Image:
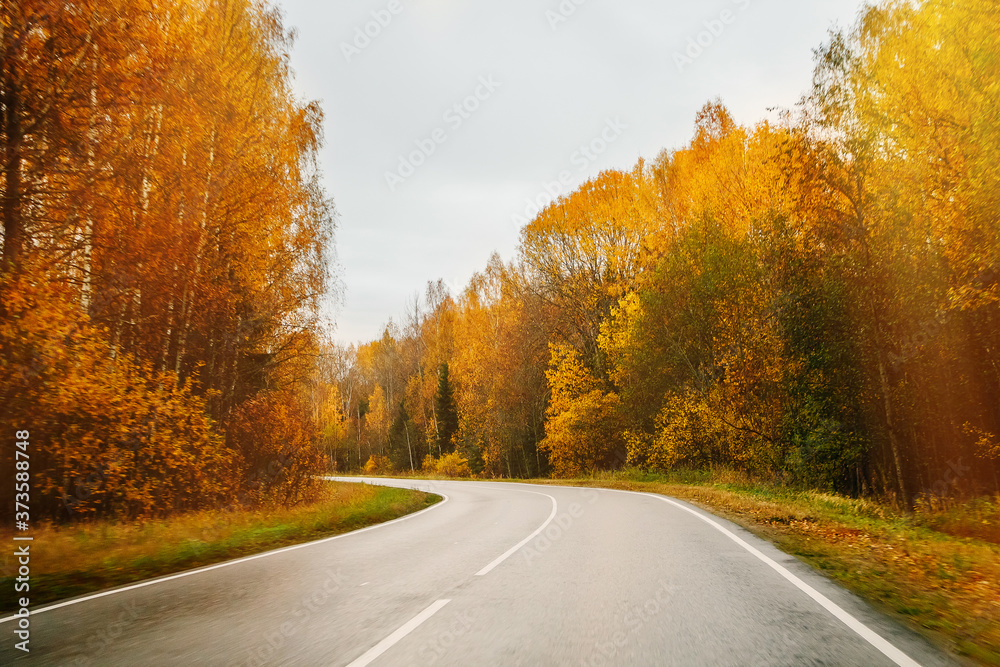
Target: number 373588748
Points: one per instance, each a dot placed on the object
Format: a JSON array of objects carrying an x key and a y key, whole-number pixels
[{"x": 21, "y": 488}]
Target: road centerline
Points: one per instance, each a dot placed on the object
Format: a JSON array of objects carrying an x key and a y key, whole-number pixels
[
  {"x": 393, "y": 639},
  {"x": 510, "y": 552}
]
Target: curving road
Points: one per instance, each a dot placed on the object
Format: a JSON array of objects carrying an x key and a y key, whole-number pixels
[{"x": 497, "y": 574}]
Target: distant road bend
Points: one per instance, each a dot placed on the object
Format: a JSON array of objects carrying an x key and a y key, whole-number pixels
[{"x": 496, "y": 574}]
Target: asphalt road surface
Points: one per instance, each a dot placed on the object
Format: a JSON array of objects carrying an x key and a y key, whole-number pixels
[{"x": 496, "y": 574}]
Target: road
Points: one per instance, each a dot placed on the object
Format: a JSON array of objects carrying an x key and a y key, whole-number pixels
[{"x": 496, "y": 574}]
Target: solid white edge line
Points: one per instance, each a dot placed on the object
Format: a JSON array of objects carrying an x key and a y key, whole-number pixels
[
  {"x": 217, "y": 566},
  {"x": 396, "y": 636},
  {"x": 507, "y": 554},
  {"x": 877, "y": 641},
  {"x": 862, "y": 630}
]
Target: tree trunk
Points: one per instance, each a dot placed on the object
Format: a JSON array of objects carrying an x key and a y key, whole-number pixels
[
  {"x": 13, "y": 228},
  {"x": 408, "y": 447},
  {"x": 191, "y": 285},
  {"x": 90, "y": 225},
  {"x": 890, "y": 416}
]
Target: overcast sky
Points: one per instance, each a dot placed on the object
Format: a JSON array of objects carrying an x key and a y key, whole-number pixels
[{"x": 444, "y": 118}]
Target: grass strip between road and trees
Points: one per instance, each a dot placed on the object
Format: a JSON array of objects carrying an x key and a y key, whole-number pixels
[
  {"x": 72, "y": 560},
  {"x": 936, "y": 569}
]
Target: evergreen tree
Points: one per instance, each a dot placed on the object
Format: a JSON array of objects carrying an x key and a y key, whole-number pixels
[
  {"x": 402, "y": 443},
  {"x": 447, "y": 414}
]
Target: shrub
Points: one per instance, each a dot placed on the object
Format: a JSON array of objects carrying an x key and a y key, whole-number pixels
[
  {"x": 275, "y": 435},
  {"x": 449, "y": 465},
  {"x": 109, "y": 437},
  {"x": 378, "y": 465}
]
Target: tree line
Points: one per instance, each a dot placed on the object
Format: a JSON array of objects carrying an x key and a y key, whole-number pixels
[{"x": 812, "y": 300}]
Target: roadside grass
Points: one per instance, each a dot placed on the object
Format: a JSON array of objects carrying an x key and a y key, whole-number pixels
[
  {"x": 938, "y": 569},
  {"x": 72, "y": 560}
]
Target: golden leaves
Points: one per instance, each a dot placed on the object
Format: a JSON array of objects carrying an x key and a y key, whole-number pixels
[
  {"x": 163, "y": 221},
  {"x": 584, "y": 429}
]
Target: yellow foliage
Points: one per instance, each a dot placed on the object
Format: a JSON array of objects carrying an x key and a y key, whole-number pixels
[
  {"x": 377, "y": 419},
  {"x": 497, "y": 368},
  {"x": 449, "y": 465},
  {"x": 378, "y": 465},
  {"x": 584, "y": 429},
  {"x": 688, "y": 432},
  {"x": 987, "y": 445},
  {"x": 164, "y": 245},
  {"x": 454, "y": 465},
  {"x": 111, "y": 438},
  {"x": 587, "y": 250},
  {"x": 585, "y": 437},
  {"x": 924, "y": 93}
]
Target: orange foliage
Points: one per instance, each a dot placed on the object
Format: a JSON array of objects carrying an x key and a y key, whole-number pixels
[
  {"x": 164, "y": 241},
  {"x": 378, "y": 465},
  {"x": 274, "y": 436},
  {"x": 109, "y": 438},
  {"x": 584, "y": 429}
]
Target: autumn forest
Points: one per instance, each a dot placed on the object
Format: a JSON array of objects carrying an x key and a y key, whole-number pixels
[{"x": 813, "y": 300}]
